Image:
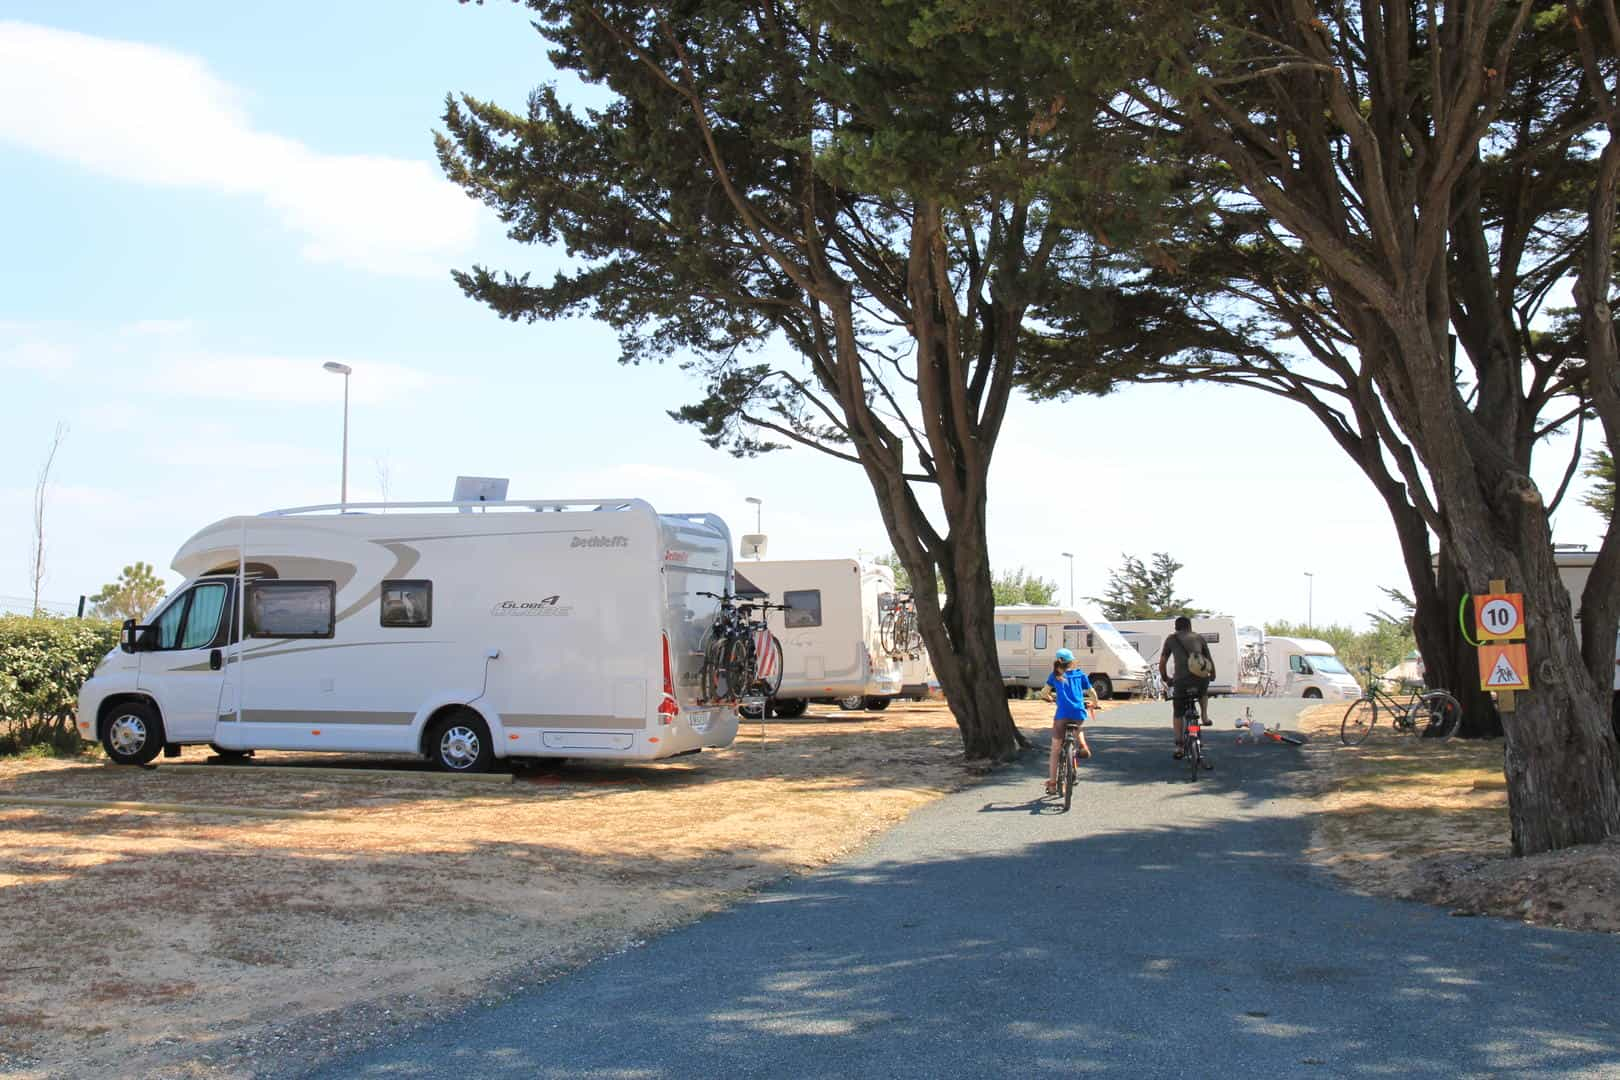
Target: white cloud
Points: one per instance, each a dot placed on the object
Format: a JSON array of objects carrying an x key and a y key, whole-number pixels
[
  {"x": 294, "y": 379},
  {"x": 45, "y": 357},
  {"x": 157, "y": 328},
  {"x": 151, "y": 115}
]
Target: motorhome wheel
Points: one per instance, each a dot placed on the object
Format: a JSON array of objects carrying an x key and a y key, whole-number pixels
[
  {"x": 1104, "y": 687},
  {"x": 852, "y": 703},
  {"x": 461, "y": 743},
  {"x": 878, "y": 704},
  {"x": 132, "y": 733},
  {"x": 789, "y": 708},
  {"x": 1312, "y": 692}
]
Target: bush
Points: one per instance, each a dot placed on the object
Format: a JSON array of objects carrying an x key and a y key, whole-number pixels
[{"x": 43, "y": 662}]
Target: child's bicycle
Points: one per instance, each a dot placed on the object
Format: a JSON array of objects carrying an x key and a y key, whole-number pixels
[
  {"x": 1068, "y": 764},
  {"x": 1431, "y": 715}
]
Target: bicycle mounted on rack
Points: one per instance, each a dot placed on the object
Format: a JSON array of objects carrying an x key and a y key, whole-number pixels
[
  {"x": 899, "y": 633},
  {"x": 741, "y": 657}
]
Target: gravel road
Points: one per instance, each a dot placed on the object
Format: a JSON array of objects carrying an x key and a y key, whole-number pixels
[{"x": 1160, "y": 929}]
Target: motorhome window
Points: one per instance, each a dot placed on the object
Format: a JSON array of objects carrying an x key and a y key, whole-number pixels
[
  {"x": 1328, "y": 665},
  {"x": 1040, "y": 637},
  {"x": 803, "y": 609},
  {"x": 202, "y": 620},
  {"x": 1296, "y": 663},
  {"x": 1213, "y": 639},
  {"x": 1009, "y": 631},
  {"x": 407, "y": 603},
  {"x": 290, "y": 609},
  {"x": 165, "y": 633}
]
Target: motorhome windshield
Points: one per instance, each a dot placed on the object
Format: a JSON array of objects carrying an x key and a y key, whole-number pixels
[
  {"x": 1107, "y": 632},
  {"x": 1326, "y": 665}
]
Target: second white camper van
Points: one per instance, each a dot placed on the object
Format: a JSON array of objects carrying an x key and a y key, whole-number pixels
[
  {"x": 1028, "y": 637},
  {"x": 1219, "y": 632},
  {"x": 521, "y": 630},
  {"x": 1310, "y": 668},
  {"x": 829, "y": 634}
]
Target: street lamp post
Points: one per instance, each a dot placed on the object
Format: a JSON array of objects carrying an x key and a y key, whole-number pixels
[
  {"x": 1310, "y": 600},
  {"x": 344, "y": 370},
  {"x": 758, "y": 510},
  {"x": 1070, "y": 556}
]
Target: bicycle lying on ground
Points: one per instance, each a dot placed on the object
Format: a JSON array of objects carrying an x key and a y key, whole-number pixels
[
  {"x": 740, "y": 654},
  {"x": 1433, "y": 714}
]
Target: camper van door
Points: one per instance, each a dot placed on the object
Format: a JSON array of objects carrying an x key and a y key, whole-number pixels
[{"x": 178, "y": 660}]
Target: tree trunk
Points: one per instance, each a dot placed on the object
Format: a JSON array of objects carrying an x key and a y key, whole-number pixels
[{"x": 1455, "y": 668}]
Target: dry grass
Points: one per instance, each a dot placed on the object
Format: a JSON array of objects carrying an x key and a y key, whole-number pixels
[
  {"x": 410, "y": 888},
  {"x": 1423, "y": 820}
]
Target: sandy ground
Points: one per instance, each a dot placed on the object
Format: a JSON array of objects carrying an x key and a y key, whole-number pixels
[
  {"x": 170, "y": 944},
  {"x": 1422, "y": 820}
]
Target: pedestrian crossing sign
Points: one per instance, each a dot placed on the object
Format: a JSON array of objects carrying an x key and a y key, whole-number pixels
[{"x": 1504, "y": 667}]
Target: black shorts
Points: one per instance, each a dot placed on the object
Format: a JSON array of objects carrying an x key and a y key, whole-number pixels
[{"x": 1185, "y": 692}]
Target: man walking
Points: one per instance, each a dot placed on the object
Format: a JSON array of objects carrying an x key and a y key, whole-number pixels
[{"x": 1194, "y": 668}]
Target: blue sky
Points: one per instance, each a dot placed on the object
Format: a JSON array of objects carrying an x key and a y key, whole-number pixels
[{"x": 200, "y": 204}]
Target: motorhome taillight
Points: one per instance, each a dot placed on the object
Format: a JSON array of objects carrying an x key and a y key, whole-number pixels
[{"x": 668, "y": 708}]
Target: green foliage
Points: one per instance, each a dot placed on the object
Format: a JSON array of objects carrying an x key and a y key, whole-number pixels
[
  {"x": 902, "y": 578},
  {"x": 1600, "y": 470},
  {"x": 1386, "y": 644},
  {"x": 1139, "y": 591},
  {"x": 136, "y": 592},
  {"x": 43, "y": 662},
  {"x": 1020, "y": 587}
]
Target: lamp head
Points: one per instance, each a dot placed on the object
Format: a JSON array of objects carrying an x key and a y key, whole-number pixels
[
  {"x": 751, "y": 499},
  {"x": 336, "y": 368}
]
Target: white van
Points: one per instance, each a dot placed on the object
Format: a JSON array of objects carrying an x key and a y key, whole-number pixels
[
  {"x": 521, "y": 630},
  {"x": 1028, "y": 637},
  {"x": 1220, "y": 633},
  {"x": 830, "y": 641},
  {"x": 1309, "y": 668}
]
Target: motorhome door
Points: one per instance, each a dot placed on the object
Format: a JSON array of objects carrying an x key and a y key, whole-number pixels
[{"x": 182, "y": 660}]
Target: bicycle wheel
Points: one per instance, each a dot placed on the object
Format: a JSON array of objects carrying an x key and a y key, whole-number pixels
[
  {"x": 772, "y": 681},
  {"x": 740, "y": 666},
  {"x": 714, "y": 670},
  {"x": 1194, "y": 756},
  {"x": 1437, "y": 715},
  {"x": 1358, "y": 722},
  {"x": 1070, "y": 752}
]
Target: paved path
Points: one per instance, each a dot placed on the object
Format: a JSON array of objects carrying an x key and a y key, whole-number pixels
[{"x": 1195, "y": 944}]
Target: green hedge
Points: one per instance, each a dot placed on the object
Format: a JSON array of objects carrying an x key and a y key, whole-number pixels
[{"x": 43, "y": 662}]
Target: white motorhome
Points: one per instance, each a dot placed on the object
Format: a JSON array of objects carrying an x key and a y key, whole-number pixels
[
  {"x": 521, "y": 630},
  {"x": 830, "y": 642},
  {"x": 1309, "y": 668},
  {"x": 1220, "y": 633},
  {"x": 1028, "y": 637}
]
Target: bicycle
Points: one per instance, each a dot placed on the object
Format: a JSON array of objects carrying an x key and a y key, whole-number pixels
[
  {"x": 1069, "y": 764},
  {"x": 899, "y": 634},
  {"x": 1192, "y": 739},
  {"x": 1434, "y": 714},
  {"x": 1152, "y": 685},
  {"x": 733, "y": 648}
]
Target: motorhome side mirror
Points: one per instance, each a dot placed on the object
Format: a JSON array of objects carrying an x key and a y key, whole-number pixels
[{"x": 126, "y": 636}]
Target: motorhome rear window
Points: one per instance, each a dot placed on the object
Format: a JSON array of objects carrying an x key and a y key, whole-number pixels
[
  {"x": 407, "y": 603},
  {"x": 803, "y": 608},
  {"x": 290, "y": 609}
]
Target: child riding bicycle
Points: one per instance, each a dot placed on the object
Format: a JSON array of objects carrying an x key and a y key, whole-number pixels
[{"x": 1071, "y": 690}]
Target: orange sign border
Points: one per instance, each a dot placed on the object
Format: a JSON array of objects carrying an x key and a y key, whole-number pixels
[
  {"x": 1518, "y": 656},
  {"x": 1516, "y": 599}
]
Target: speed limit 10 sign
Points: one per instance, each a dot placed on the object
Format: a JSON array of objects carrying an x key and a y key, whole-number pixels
[{"x": 1500, "y": 616}]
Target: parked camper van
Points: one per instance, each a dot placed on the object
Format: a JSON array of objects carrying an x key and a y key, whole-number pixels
[
  {"x": 1220, "y": 633},
  {"x": 1308, "y": 668},
  {"x": 524, "y": 629},
  {"x": 829, "y": 634},
  {"x": 1028, "y": 637}
]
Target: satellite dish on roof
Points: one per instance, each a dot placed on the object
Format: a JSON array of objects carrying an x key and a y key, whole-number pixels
[
  {"x": 753, "y": 545},
  {"x": 480, "y": 489}
]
